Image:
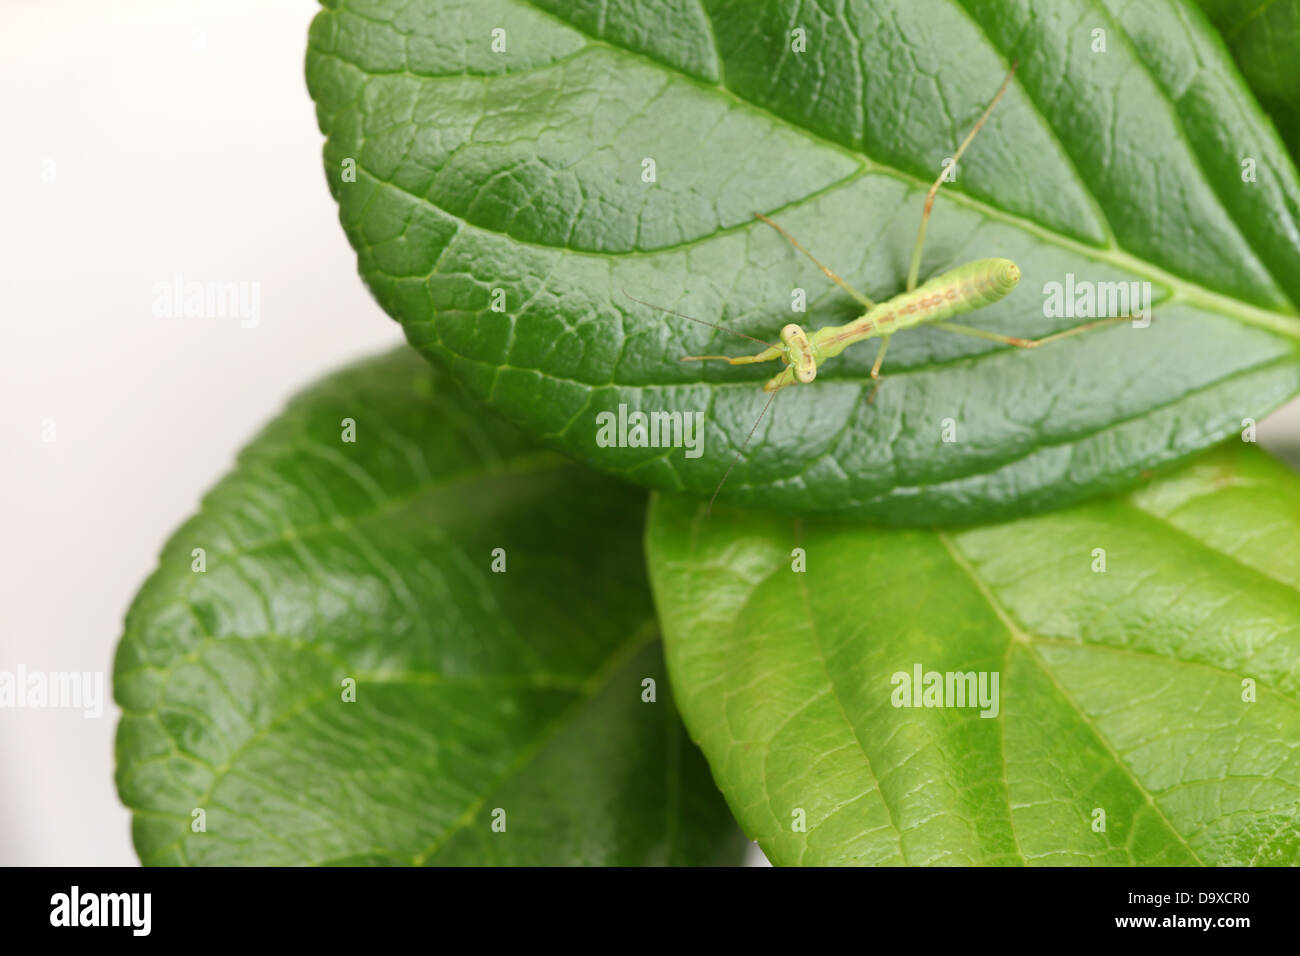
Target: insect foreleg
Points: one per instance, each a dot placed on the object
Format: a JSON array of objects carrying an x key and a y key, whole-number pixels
[{"x": 766, "y": 355}]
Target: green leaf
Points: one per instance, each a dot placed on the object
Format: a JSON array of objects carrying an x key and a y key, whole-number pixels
[
  {"x": 1264, "y": 37},
  {"x": 328, "y": 561},
  {"x": 468, "y": 178},
  {"x": 1120, "y": 691}
]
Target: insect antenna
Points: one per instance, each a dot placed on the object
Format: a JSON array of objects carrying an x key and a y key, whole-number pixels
[
  {"x": 712, "y": 325},
  {"x": 768, "y": 404},
  {"x": 740, "y": 451}
]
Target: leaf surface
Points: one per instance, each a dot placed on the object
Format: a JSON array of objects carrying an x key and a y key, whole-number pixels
[
  {"x": 499, "y": 205},
  {"x": 1159, "y": 698},
  {"x": 328, "y": 562},
  {"x": 1264, "y": 38}
]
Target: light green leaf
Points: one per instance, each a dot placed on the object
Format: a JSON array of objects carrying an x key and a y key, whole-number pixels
[
  {"x": 489, "y": 158},
  {"x": 326, "y": 562},
  {"x": 1162, "y": 692}
]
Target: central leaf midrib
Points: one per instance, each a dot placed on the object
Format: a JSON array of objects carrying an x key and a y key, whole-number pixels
[
  {"x": 517, "y": 465},
  {"x": 1016, "y": 635},
  {"x": 1184, "y": 289},
  {"x": 617, "y": 657},
  {"x": 583, "y": 692},
  {"x": 849, "y": 722},
  {"x": 532, "y": 462},
  {"x": 1140, "y": 514}
]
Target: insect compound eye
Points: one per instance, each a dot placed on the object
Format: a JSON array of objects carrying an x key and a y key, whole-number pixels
[{"x": 806, "y": 375}]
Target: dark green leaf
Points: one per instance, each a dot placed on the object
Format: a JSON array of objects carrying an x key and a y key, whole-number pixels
[
  {"x": 1264, "y": 37},
  {"x": 1120, "y": 691},
  {"x": 478, "y": 172},
  {"x": 328, "y": 561}
]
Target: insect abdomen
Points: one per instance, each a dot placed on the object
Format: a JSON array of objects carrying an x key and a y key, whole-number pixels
[{"x": 955, "y": 292}]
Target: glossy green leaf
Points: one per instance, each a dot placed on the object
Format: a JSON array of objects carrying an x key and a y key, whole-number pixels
[
  {"x": 327, "y": 562},
  {"x": 1264, "y": 37},
  {"x": 1162, "y": 691},
  {"x": 498, "y": 205}
]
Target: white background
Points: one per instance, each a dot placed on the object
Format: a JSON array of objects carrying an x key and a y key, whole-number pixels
[{"x": 182, "y": 141}]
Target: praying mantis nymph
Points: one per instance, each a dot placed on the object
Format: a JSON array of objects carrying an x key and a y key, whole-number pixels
[{"x": 963, "y": 289}]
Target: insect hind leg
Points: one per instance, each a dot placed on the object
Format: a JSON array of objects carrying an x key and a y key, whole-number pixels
[
  {"x": 1029, "y": 343},
  {"x": 875, "y": 368},
  {"x": 914, "y": 269}
]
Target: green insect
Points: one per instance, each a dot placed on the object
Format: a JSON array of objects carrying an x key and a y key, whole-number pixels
[{"x": 953, "y": 293}]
